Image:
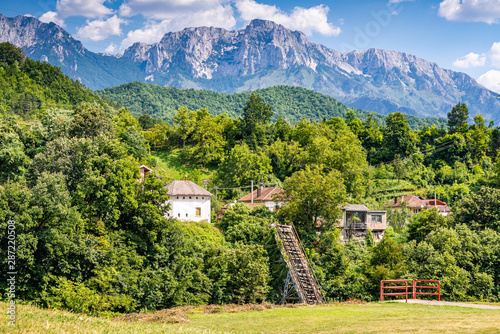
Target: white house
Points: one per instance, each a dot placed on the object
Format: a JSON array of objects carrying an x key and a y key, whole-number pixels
[{"x": 188, "y": 201}]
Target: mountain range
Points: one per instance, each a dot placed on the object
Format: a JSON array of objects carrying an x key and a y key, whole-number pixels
[{"x": 261, "y": 55}]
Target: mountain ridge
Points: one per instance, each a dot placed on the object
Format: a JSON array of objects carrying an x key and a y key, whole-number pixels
[
  {"x": 292, "y": 103},
  {"x": 263, "y": 54}
]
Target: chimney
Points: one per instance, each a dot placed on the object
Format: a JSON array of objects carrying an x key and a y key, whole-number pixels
[
  {"x": 259, "y": 190},
  {"x": 185, "y": 177}
]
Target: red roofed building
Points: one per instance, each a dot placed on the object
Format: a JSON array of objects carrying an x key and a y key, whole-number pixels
[
  {"x": 417, "y": 204},
  {"x": 262, "y": 197}
]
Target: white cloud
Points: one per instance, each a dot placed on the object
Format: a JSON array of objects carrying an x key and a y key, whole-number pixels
[
  {"x": 166, "y": 9},
  {"x": 111, "y": 48},
  {"x": 490, "y": 80},
  {"x": 494, "y": 54},
  {"x": 99, "y": 30},
  {"x": 86, "y": 8},
  {"x": 307, "y": 20},
  {"x": 52, "y": 17},
  {"x": 487, "y": 11},
  {"x": 470, "y": 60},
  {"x": 153, "y": 31}
]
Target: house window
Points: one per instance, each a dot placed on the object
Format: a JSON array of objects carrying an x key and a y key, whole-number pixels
[
  {"x": 198, "y": 212},
  {"x": 189, "y": 197},
  {"x": 416, "y": 211},
  {"x": 177, "y": 197},
  {"x": 179, "y": 215},
  {"x": 186, "y": 214},
  {"x": 196, "y": 197},
  {"x": 376, "y": 219},
  {"x": 183, "y": 197}
]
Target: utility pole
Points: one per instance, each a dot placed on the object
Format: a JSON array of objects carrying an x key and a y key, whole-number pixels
[{"x": 251, "y": 190}]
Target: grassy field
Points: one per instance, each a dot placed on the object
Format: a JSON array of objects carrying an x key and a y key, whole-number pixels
[
  {"x": 171, "y": 166},
  {"x": 348, "y": 318}
]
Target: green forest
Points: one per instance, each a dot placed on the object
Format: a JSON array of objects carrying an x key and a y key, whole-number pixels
[
  {"x": 292, "y": 103},
  {"x": 91, "y": 238}
]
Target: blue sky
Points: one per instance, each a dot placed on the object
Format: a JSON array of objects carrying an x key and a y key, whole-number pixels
[{"x": 462, "y": 35}]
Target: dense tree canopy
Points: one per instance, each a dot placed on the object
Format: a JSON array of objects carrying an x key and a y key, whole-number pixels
[
  {"x": 92, "y": 235},
  {"x": 457, "y": 118}
]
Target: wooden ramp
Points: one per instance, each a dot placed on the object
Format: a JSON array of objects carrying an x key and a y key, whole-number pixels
[{"x": 300, "y": 277}]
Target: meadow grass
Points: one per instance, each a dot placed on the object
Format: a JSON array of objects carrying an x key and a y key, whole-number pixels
[
  {"x": 362, "y": 318},
  {"x": 169, "y": 164}
]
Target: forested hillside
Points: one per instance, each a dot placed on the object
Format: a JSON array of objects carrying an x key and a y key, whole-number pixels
[
  {"x": 28, "y": 87},
  {"x": 91, "y": 237},
  {"x": 292, "y": 103}
]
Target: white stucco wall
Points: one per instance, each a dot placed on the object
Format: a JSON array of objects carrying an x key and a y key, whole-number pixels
[
  {"x": 183, "y": 208},
  {"x": 272, "y": 205}
]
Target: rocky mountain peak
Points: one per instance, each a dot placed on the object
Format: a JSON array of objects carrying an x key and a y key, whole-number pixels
[
  {"x": 29, "y": 33},
  {"x": 264, "y": 25},
  {"x": 261, "y": 55}
]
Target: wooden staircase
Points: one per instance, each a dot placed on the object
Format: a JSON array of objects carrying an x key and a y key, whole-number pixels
[{"x": 299, "y": 277}]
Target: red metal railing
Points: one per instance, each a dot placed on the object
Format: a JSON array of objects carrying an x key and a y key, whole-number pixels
[
  {"x": 415, "y": 287},
  {"x": 413, "y": 293}
]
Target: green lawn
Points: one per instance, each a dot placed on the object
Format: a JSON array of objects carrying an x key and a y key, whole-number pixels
[
  {"x": 367, "y": 318},
  {"x": 171, "y": 166}
]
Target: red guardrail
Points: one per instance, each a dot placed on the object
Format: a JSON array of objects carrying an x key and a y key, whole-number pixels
[{"x": 413, "y": 293}]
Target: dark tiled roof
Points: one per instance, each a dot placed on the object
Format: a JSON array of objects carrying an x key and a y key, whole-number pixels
[
  {"x": 267, "y": 194},
  {"x": 185, "y": 188},
  {"x": 355, "y": 207}
]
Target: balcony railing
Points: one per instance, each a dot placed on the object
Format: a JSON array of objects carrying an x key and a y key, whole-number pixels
[{"x": 356, "y": 226}]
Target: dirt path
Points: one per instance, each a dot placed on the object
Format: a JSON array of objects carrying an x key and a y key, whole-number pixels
[{"x": 437, "y": 303}]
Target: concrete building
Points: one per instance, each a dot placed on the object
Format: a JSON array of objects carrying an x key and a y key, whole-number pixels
[
  {"x": 357, "y": 219},
  {"x": 188, "y": 201}
]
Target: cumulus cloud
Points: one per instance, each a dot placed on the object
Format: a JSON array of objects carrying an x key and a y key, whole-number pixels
[
  {"x": 490, "y": 80},
  {"x": 87, "y": 8},
  {"x": 52, "y": 17},
  {"x": 111, "y": 48},
  {"x": 153, "y": 31},
  {"x": 470, "y": 60},
  {"x": 166, "y": 9},
  {"x": 307, "y": 20},
  {"x": 487, "y": 11},
  {"x": 99, "y": 30},
  {"x": 494, "y": 54}
]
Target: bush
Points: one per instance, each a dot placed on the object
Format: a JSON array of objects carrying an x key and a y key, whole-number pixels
[{"x": 80, "y": 299}]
